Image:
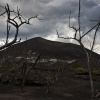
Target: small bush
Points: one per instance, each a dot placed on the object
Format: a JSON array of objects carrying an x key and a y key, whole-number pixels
[
  {"x": 95, "y": 71},
  {"x": 48, "y": 76},
  {"x": 80, "y": 70},
  {"x": 12, "y": 69}
]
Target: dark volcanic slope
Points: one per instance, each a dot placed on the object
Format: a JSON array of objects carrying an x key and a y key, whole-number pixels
[{"x": 48, "y": 48}]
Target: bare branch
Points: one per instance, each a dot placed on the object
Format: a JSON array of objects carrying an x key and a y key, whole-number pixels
[
  {"x": 79, "y": 25},
  {"x": 72, "y": 26},
  {"x": 93, "y": 20},
  {"x": 94, "y": 39},
  {"x": 90, "y": 30},
  {"x": 13, "y": 21},
  {"x": 66, "y": 37},
  {"x": 2, "y": 7},
  {"x": 3, "y": 14}
]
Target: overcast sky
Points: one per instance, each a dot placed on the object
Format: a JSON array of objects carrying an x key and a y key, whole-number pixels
[{"x": 55, "y": 15}]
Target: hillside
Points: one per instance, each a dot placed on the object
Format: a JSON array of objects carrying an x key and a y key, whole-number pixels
[
  {"x": 47, "y": 48},
  {"x": 65, "y": 81}
]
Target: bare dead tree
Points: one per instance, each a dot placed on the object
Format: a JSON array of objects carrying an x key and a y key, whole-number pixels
[
  {"x": 22, "y": 72},
  {"x": 14, "y": 22},
  {"x": 16, "y": 19},
  {"x": 26, "y": 72},
  {"x": 78, "y": 36}
]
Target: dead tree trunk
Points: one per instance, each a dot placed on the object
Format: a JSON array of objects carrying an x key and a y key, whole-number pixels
[{"x": 78, "y": 36}]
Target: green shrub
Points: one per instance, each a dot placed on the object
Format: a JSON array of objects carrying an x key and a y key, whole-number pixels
[
  {"x": 95, "y": 71},
  {"x": 13, "y": 69},
  {"x": 80, "y": 70},
  {"x": 48, "y": 76}
]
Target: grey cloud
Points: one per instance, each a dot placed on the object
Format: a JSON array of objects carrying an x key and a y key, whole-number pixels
[
  {"x": 54, "y": 12},
  {"x": 89, "y": 3}
]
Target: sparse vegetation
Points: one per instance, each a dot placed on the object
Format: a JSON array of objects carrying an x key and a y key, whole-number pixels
[
  {"x": 13, "y": 69},
  {"x": 96, "y": 71},
  {"x": 56, "y": 68},
  {"x": 80, "y": 70},
  {"x": 48, "y": 79}
]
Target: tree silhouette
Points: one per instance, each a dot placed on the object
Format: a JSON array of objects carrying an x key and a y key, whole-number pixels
[
  {"x": 17, "y": 21},
  {"x": 79, "y": 36}
]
